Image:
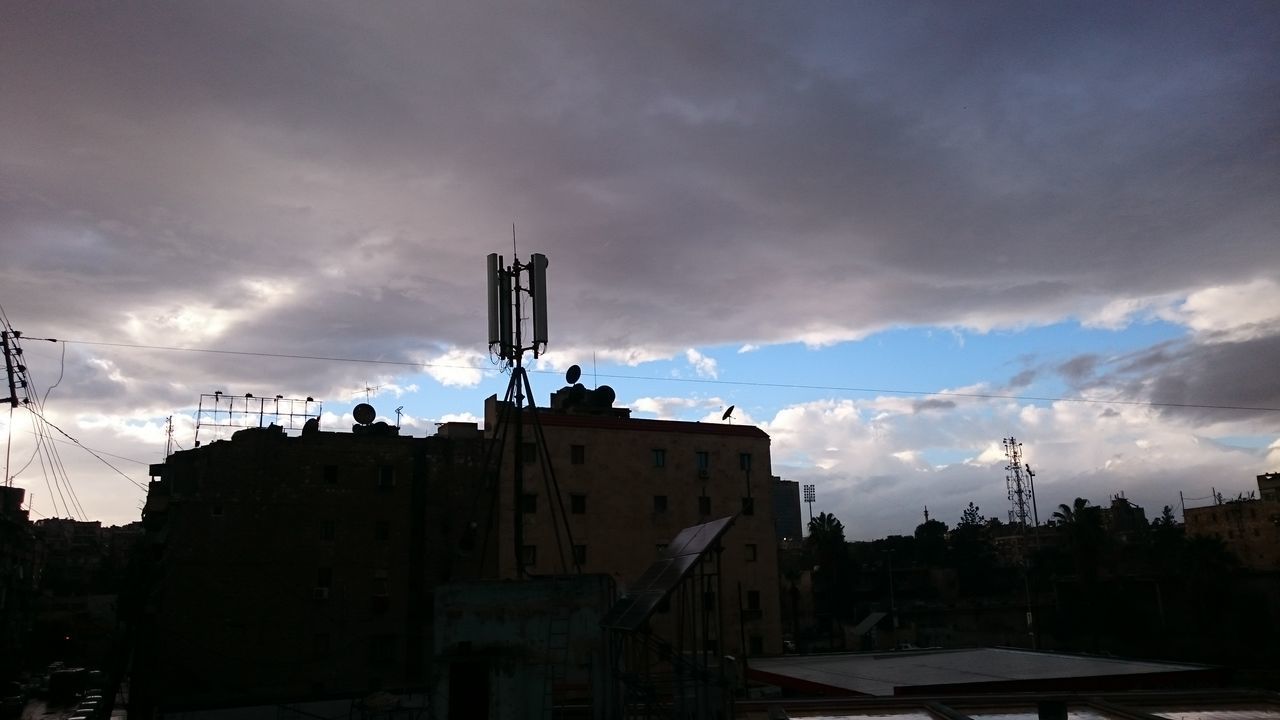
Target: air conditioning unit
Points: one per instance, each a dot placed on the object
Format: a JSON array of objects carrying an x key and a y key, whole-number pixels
[{"x": 320, "y": 593}]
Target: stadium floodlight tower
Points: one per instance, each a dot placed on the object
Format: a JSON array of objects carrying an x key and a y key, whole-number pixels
[{"x": 508, "y": 286}]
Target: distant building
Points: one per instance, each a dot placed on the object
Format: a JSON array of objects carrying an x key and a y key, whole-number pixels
[
  {"x": 1250, "y": 528},
  {"x": 787, "y": 521},
  {"x": 1124, "y": 520},
  {"x": 1269, "y": 486}
]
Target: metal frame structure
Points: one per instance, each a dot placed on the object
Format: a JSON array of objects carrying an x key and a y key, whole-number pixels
[{"x": 220, "y": 410}]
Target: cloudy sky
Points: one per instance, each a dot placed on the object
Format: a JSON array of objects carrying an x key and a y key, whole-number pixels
[{"x": 801, "y": 209}]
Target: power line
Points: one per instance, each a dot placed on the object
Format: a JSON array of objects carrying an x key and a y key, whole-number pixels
[
  {"x": 700, "y": 381},
  {"x": 139, "y": 485}
]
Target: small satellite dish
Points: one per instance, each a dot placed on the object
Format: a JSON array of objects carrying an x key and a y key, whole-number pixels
[
  {"x": 364, "y": 413},
  {"x": 728, "y": 413},
  {"x": 606, "y": 395},
  {"x": 572, "y": 376}
]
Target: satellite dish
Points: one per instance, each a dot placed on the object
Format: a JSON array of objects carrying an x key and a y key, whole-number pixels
[
  {"x": 574, "y": 373},
  {"x": 364, "y": 413},
  {"x": 728, "y": 412},
  {"x": 606, "y": 395}
]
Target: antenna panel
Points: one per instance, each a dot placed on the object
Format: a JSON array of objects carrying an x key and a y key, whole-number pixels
[
  {"x": 493, "y": 266},
  {"x": 505, "y": 336},
  {"x": 538, "y": 288}
]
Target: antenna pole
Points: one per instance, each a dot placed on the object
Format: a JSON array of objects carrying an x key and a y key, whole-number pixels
[{"x": 516, "y": 374}]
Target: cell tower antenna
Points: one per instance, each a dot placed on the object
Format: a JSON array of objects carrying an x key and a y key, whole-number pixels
[
  {"x": 1018, "y": 481},
  {"x": 509, "y": 286}
]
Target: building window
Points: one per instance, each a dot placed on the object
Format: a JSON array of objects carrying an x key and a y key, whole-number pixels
[
  {"x": 708, "y": 599},
  {"x": 757, "y": 645},
  {"x": 664, "y": 606},
  {"x": 331, "y": 474},
  {"x": 748, "y": 506},
  {"x": 753, "y": 599},
  {"x": 386, "y": 477},
  {"x": 328, "y": 530},
  {"x": 320, "y": 645},
  {"x": 704, "y": 461},
  {"x": 382, "y": 531},
  {"x": 660, "y": 549},
  {"x": 529, "y": 503},
  {"x": 744, "y": 461},
  {"x": 577, "y": 454},
  {"x": 529, "y": 554},
  {"x": 380, "y": 583},
  {"x": 529, "y": 452},
  {"x": 580, "y": 554},
  {"x": 704, "y": 505},
  {"x": 216, "y": 510},
  {"x": 752, "y": 552},
  {"x": 659, "y": 503},
  {"x": 578, "y": 504},
  {"x": 659, "y": 457},
  {"x": 324, "y": 578}
]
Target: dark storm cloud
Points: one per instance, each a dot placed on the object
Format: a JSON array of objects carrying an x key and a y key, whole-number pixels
[
  {"x": 1023, "y": 378},
  {"x": 697, "y": 174},
  {"x": 925, "y": 405}
]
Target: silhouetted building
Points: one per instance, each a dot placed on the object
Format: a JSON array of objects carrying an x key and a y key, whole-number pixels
[
  {"x": 17, "y": 581},
  {"x": 1269, "y": 486},
  {"x": 287, "y": 568},
  {"x": 787, "y": 521}
]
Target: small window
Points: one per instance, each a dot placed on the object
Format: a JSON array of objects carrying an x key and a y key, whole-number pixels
[
  {"x": 664, "y": 606},
  {"x": 752, "y": 552},
  {"x": 659, "y": 503},
  {"x": 744, "y": 461},
  {"x": 577, "y": 454},
  {"x": 748, "y": 506},
  {"x": 659, "y": 457},
  {"x": 331, "y": 474},
  {"x": 708, "y": 599},
  {"x": 529, "y": 503},
  {"x": 386, "y": 477},
  {"x": 704, "y": 505},
  {"x": 529, "y": 452},
  {"x": 328, "y": 530},
  {"x": 704, "y": 460},
  {"x": 382, "y": 531},
  {"x": 216, "y": 510},
  {"x": 324, "y": 577},
  {"x": 529, "y": 554},
  {"x": 753, "y": 599},
  {"x": 580, "y": 554},
  {"x": 757, "y": 645},
  {"x": 578, "y": 504},
  {"x": 320, "y": 645}
]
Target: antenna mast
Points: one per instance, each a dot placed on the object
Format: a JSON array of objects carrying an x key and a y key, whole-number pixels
[
  {"x": 1022, "y": 503},
  {"x": 506, "y": 295}
]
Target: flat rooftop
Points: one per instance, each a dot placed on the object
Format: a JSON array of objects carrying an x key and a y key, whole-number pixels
[{"x": 923, "y": 672}]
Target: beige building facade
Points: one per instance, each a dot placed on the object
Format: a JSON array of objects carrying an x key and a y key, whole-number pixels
[{"x": 628, "y": 486}]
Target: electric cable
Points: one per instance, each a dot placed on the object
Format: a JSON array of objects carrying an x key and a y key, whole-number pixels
[{"x": 701, "y": 381}]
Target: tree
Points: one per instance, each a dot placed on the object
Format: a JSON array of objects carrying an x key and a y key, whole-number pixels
[
  {"x": 971, "y": 518},
  {"x": 931, "y": 542},
  {"x": 1166, "y": 518}
]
